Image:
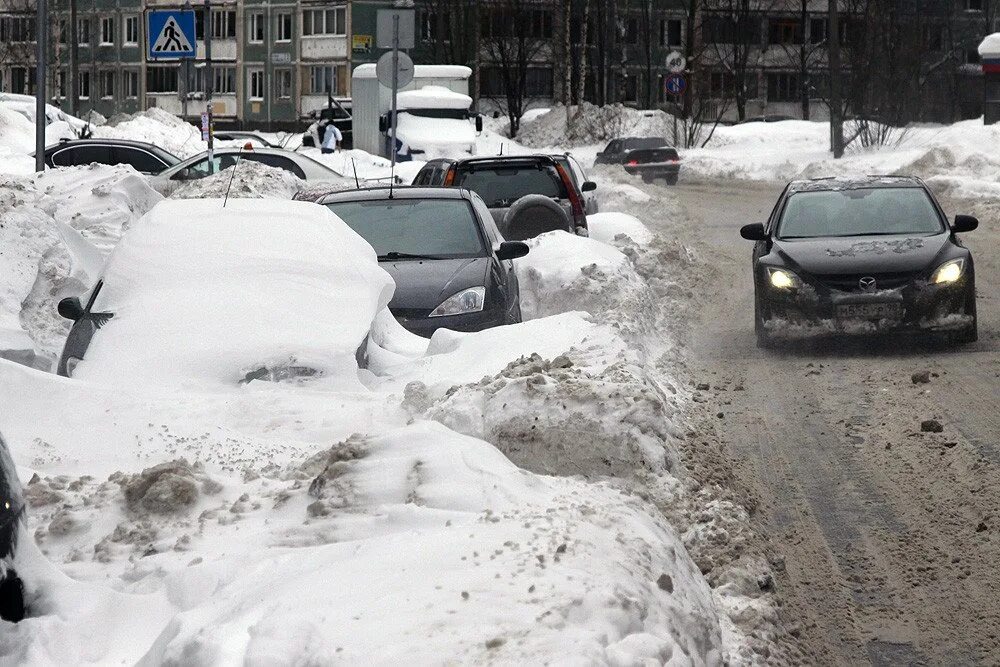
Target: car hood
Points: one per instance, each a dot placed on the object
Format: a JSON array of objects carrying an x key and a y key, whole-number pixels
[
  {"x": 424, "y": 284},
  {"x": 862, "y": 254}
]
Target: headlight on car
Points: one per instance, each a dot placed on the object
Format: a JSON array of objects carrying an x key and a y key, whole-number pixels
[
  {"x": 949, "y": 272},
  {"x": 467, "y": 301},
  {"x": 782, "y": 279}
]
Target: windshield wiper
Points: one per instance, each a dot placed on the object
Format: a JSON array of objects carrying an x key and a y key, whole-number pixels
[{"x": 406, "y": 255}]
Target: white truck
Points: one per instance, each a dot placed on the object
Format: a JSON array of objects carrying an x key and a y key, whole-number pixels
[{"x": 435, "y": 117}]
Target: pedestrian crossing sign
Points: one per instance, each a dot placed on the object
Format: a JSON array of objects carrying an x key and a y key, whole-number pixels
[{"x": 170, "y": 34}]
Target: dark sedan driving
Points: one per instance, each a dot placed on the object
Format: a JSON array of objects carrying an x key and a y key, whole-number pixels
[
  {"x": 862, "y": 255},
  {"x": 451, "y": 266}
]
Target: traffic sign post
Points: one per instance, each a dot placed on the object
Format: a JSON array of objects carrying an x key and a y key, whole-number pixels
[
  {"x": 676, "y": 62},
  {"x": 395, "y": 30},
  {"x": 170, "y": 34},
  {"x": 675, "y": 84}
]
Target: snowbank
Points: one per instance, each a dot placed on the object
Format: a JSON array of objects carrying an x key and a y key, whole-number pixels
[
  {"x": 606, "y": 227},
  {"x": 199, "y": 291},
  {"x": 159, "y": 127},
  {"x": 57, "y": 228},
  {"x": 963, "y": 159},
  {"x": 592, "y": 125},
  {"x": 432, "y": 97},
  {"x": 990, "y": 46},
  {"x": 247, "y": 180}
]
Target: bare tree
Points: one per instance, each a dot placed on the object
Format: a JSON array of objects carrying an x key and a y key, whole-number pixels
[
  {"x": 734, "y": 30},
  {"x": 513, "y": 42}
]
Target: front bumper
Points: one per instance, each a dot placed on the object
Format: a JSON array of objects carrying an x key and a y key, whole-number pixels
[
  {"x": 914, "y": 307},
  {"x": 422, "y": 325}
]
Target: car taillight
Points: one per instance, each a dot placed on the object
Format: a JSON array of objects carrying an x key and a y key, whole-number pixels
[
  {"x": 579, "y": 215},
  {"x": 449, "y": 178},
  {"x": 632, "y": 163}
]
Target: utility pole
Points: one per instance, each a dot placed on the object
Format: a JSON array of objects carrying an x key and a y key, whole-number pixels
[
  {"x": 833, "y": 60},
  {"x": 74, "y": 60},
  {"x": 42, "y": 44},
  {"x": 209, "y": 84},
  {"x": 395, "y": 87}
]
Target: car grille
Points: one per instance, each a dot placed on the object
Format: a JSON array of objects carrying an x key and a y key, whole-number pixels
[{"x": 850, "y": 282}]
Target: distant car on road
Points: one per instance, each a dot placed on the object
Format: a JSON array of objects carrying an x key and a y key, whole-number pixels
[
  {"x": 452, "y": 267},
  {"x": 862, "y": 254},
  {"x": 771, "y": 118},
  {"x": 144, "y": 158},
  {"x": 648, "y": 157},
  {"x": 527, "y": 195},
  {"x": 198, "y": 166}
]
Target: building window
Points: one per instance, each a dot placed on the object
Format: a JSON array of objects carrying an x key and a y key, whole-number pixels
[
  {"x": 161, "y": 79},
  {"x": 19, "y": 80},
  {"x": 972, "y": 57},
  {"x": 541, "y": 24},
  {"x": 817, "y": 31},
  {"x": 256, "y": 81},
  {"x": 974, "y": 5},
  {"x": 783, "y": 87},
  {"x": 325, "y": 79},
  {"x": 17, "y": 29},
  {"x": 670, "y": 32},
  {"x": 284, "y": 25},
  {"x": 107, "y": 82},
  {"x": 324, "y": 21},
  {"x": 427, "y": 25},
  {"x": 224, "y": 80},
  {"x": 62, "y": 77},
  {"x": 718, "y": 28},
  {"x": 283, "y": 83},
  {"x": 631, "y": 30},
  {"x": 224, "y": 24},
  {"x": 255, "y": 28},
  {"x": 108, "y": 30},
  {"x": 130, "y": 83},
  {"x": 131, "y": 36},
  {"x": 784, "y": 31},
  {"x": 83, "y": 32},
  {"x": 84, "y": 85},
  {"x": 63, "y": 32},
  {"x": 538, "y": 82}
]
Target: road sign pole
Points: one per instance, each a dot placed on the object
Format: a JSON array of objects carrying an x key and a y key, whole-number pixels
[
  {"x": 395, "y": 85},
  {"x": 40, "y": 68},
  {"x": 209, "y": 84}
]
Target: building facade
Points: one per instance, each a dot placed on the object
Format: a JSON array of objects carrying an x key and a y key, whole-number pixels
[{"x": 275, "y": 61}]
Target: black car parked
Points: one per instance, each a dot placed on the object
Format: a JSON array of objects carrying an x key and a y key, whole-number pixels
[
  {"x": 864, "y": 254},
  {"x": 451, "y": 265},
  {"x": 527, "y": 195},
  {"x": 144, "y": 158},
  {"x": 648, "y": 157}
]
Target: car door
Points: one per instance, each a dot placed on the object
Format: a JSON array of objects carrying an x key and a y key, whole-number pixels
[
  {"x": 141, "y": 160},
  {"x": 589, "y": 198},
  {"x": 502, "y": 272}
]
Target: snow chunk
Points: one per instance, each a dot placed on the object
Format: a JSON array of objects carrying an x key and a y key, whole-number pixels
[
  {"x": 606, "y": 227},
  {"x": 156, "y": 126},
  {"x": 202, "y": 291},
  {"x": 246, "y": 180}
]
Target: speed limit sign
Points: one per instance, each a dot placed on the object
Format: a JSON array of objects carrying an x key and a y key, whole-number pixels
[{"x": 676, "y": 62}]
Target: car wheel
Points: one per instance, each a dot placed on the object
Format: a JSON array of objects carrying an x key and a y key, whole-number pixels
[
  {"x": 670, "y": 180},
  {"x": 647, "y": 178}
]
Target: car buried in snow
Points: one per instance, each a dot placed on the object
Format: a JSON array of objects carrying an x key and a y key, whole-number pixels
[
  {"x": 862, "y": 255},
  {"x": 452, "y": 267}
]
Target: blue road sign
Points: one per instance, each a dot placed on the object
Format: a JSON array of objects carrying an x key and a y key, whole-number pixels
[
  {"x": 675, "y": 84},
  {"x": 170, "y": 34}
]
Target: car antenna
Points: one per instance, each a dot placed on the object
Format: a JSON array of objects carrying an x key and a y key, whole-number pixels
[
  {"x": 231, "y": 176},
  {"x": 355, "y": 167}
]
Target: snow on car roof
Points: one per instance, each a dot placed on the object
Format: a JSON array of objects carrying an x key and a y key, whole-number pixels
[
  {"x": 990, "y": 46},
  {"x": 849, "y": 182},
  {"x": 432, "y": 97},
  {"x": 202, "y": 292},
  {"x": 367, "y": 71}
]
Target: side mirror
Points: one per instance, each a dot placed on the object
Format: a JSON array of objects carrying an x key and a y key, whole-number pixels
[
  {"x": 512, "y": 250},
  {"x": 964, "y": 223},
  {"x": 383, "y": 123},
  {"x": 70, "y": 308},
  {"x": 479, "y": 123},
  {"x": 753, "y": 232},
  {"x": 588, "y": 186}
]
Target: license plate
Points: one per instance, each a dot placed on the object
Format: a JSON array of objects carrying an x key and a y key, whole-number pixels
[{"x": 869, "y": 311}]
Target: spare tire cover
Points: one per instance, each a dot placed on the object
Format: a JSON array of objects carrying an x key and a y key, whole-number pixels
[{"x": 532, "y": 215}]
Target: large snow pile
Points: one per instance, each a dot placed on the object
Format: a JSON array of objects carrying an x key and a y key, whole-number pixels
[
  {"x": 57, "y": 227},
  {"x": 990, "y": 46},
  {"x": 246, "y": 180},
  {"x": 17, "y": 138},
  {"x": 593, "y": 124},
  {"x": 156, "y": 126},
  {"x": 963, "y": 158},
  {"x": 607, "y": 227},
  {"x": 202, "y": 291}
]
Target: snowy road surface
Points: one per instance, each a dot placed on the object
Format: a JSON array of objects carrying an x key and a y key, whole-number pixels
[{"x": 885, "y": 539}]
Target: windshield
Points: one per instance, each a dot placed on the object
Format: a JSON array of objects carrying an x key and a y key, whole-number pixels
[
  {"x": 859, "y": 212},
  {"x": 501, "y": 186},
  {"x": 646, "y": 142},
  {"x": 443, "y": 228},
  {"x": 458, "y": 114}
]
